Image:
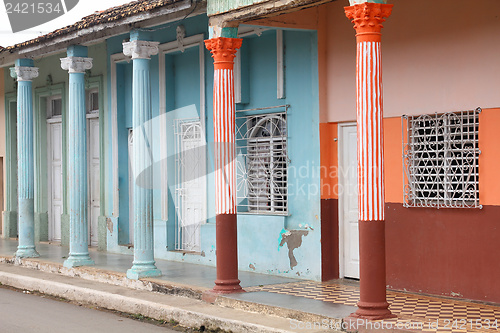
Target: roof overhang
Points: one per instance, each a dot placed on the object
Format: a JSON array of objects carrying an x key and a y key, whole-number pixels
[
  {"x": 100, "y": 32},
  {"x": 262, "y": 10}
]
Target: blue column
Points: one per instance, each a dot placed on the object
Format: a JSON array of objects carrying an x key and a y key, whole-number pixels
[
  {"x": 144, "y": 263},
  {"x": 76, "y": 63},
  {"x": 25, "y": 72}
]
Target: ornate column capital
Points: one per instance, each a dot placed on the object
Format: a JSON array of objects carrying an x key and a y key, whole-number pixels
[
  {"x": 140, "y": 49},
  {"x": 367, "y": 18},
  {"x": 24, "y": 73},
  {"x": 76, "y": 64},
  {"x": 223, "y": 51}
]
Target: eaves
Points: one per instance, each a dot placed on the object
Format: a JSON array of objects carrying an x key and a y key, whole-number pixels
[{"x": 100, "y": 32}]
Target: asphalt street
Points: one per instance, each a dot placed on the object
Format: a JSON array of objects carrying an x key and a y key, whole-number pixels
[{"x": 26, "y": 313}]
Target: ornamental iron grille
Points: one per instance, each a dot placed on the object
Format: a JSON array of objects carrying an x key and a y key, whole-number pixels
[
  {"x": 440, "y": 160},
  {"x": 190, "y": 183},
  {"x": 262, "y": 160}
]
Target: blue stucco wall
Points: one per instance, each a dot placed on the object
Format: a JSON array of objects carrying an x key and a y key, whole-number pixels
[{"x": 264, "y": 241}]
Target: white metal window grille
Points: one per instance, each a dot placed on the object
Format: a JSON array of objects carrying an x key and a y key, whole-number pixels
[
  {"x": 440, "y": 160},
  {"x": 262, "y": 160},
  {"x": 190, "y": 184}
]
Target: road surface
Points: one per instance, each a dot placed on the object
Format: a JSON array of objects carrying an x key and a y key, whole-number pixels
[{"x": 26, "y": 313}]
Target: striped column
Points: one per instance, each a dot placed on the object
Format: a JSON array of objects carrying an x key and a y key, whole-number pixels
[
  {"x": 141, "y": 51},
  {"x": 25, "y": 73},
  {"x": 76, "y": 63},
  {"x": 223, "y": 51},
  {"x": 367, "y": 19}
]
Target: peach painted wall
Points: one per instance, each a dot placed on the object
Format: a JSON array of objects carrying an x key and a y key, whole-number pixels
[
  {"x": 329, "y": 160},
  {"x": 438, "y": 56},
  {"x": 489, "y": 136},
  {"x": 489, "y": 160}
]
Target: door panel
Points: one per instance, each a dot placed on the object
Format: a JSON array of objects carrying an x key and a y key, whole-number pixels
[
  {"x": 94, "y": 180},
  {"x": 55, "y": 202},
  {"x": 350, "y": 202},
  {"x": 193, "y": 187},
  {"x": 131, "y": 183}
]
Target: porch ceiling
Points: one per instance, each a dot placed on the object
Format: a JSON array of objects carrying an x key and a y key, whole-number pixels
[{"x": 262, "y": 10}]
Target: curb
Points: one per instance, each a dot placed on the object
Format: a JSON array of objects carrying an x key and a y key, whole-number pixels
[
  {"x": 131, "y": 305},
  {"x": 105, "y": 276}
]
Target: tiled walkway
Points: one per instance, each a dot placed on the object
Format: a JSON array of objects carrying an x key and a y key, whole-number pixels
[
  {"x": 333, "y": 300},
  {"x": 429, "y": 314}
]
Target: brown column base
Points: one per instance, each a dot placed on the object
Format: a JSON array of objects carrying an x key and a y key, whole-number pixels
[
  {"x": 373, "y": 304},
  {"x": 227, "y": 254},
  {"x": 227, "y": 286},
  {"x": 373, "y": 311}
]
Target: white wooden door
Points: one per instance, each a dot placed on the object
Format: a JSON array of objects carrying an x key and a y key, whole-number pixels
[
  {"x": 55, "y": 188},
  {"x": 131, "y": 183},
  {"x": 94, "y": 180},
  {"x": 192, "y": 168},
  {"x": 349, "y": 206}
]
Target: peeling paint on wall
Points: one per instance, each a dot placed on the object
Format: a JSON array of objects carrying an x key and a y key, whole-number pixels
[
  {"x": 293, "y": 240},
  {"x": 109, "y": 223}
]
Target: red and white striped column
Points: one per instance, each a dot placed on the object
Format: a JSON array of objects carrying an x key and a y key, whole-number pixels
[
  {"x": 367, "y": 19},
  {"x": 223, "y": 51}
]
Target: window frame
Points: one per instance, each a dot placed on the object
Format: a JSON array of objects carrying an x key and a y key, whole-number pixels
[
  {"x": 88, "y": 98},
  {"x": 441, "y": 160},
  {"x": 275, "y": 162},
  {"x": 49, "y": 108}
]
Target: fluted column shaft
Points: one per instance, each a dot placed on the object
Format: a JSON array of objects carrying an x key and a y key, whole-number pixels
[
  {"x": 144, "y": 263},
  {"x": 223, "y": 51},
  {"x": 77, "y": 157},
  {"x": 25, "y": 72},
  {"x": 367, "y": 19}
]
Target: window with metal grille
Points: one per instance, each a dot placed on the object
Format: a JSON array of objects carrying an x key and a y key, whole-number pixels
[
  {"x": 262, "y": 163},
  {"x": 440, "y": 160}
]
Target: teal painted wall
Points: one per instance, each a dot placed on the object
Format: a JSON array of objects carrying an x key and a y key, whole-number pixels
[
  {"x": 263, "y": 253},
  {"x": 263, "y": 239}
]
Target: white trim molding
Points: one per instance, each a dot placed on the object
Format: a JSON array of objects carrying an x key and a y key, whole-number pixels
[
  {"x": 280, "y": 60},
  {"x": 115, "y": 58}
]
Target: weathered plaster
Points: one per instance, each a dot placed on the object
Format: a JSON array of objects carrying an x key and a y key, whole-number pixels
[{"x": 293, "y": 240}]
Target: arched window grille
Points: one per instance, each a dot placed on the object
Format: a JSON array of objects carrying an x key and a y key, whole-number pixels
[{"x": 262, "y": 163}]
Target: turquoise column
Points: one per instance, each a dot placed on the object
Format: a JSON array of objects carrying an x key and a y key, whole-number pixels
[
  {"x": 25, "y": 73},
  {"x": 141, "y": 51},
  {"x": 76, "y": 63}
]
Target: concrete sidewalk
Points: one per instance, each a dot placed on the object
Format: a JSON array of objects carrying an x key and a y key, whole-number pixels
[
  {"x": 176, "y": 295},
  {"x": 189, "y": 312},
  {"x": 270, "y": 304}
]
